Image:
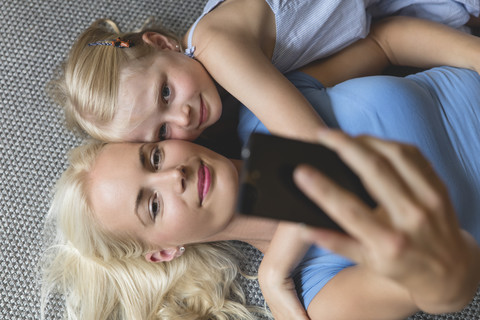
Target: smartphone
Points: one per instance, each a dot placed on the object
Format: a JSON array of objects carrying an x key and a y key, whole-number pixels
[{"x": 267, "y": 188}]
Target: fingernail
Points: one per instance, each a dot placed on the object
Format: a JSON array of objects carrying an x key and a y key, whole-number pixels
[{"x": 303, "y": 173}]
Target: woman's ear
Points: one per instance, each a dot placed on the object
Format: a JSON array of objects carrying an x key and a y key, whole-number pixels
[
  {"x": 159, "y": 41},
  {"x": 164, "y": 254}
]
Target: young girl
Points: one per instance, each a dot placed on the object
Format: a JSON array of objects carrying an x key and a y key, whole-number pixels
[{"x": 141, "y": 87}]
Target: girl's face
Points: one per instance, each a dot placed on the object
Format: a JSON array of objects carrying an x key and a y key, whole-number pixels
[
  {"x": 166, "y": 96},
  {"x": 165, "y": 194}
]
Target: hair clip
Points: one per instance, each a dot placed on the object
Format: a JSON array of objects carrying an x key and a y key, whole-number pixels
[{"x": 117, "y": 43}]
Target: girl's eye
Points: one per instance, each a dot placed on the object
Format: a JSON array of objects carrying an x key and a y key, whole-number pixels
[
  {"x": 162, "y": 133},
  {"x": 156, "y": 158},
  {"x": 165, "y": 93},
  {"x": 154, "y": 206}
]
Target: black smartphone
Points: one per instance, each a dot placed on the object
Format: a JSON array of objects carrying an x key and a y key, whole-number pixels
[{"x": 267, "y": 188}]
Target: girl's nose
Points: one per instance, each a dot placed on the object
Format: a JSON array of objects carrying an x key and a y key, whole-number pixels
[{"x": 182, "y": 117}]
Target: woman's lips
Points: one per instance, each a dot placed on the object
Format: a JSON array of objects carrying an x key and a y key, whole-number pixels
[{"x": 204, "y": 181}]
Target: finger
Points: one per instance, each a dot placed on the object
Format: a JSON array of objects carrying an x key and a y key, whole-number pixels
[
  {"x": 377, "y": 173},
  {"x": 417, "y": 172},
  {"x": 430, "y": 197},
  {"x": 354, "y": 216}
]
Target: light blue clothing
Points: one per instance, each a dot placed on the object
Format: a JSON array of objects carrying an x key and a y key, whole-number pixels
[
  {"x": 437, "y": 110},
  {"x": 310, "y": 30}
]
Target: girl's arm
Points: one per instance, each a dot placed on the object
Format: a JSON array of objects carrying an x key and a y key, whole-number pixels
[
  {"x": 243, "y": 70},
  {"x": 425, "y": 44},
  {"x": 235, "y": 49},
  {"x": 400, "y": 41},
  {"x": 236, "y": 59}
]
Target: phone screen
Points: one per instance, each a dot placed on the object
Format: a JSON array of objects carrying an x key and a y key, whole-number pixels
[{"x": 267, "y": 188}]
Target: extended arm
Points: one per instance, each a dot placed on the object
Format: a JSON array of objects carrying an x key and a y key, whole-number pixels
[
  {"x": 400, "y": 41},
  {"x": 245, "y": 72},
  {"x": 422, "y": 43}
]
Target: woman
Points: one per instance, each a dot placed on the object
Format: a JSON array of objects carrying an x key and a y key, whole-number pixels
[{"x": 131, "y": 224}]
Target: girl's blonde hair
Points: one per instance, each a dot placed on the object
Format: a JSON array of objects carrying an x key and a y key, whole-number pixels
[
  {"x": 88, "y": 85},
  {"x": 105, "y": 276}
]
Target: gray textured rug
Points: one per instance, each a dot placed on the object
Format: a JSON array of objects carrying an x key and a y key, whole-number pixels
[{"x": 35, "y": 37}]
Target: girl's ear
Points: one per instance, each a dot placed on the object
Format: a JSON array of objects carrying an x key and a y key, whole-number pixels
[
  {"x": 159, "y": 41},
  {"x": 163, "y": 255}
]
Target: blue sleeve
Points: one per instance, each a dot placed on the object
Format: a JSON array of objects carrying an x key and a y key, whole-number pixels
[{"x": 315, "y": 270}]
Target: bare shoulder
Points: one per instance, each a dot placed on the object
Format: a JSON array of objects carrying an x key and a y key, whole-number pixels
[{"x": 235, "y": 22}]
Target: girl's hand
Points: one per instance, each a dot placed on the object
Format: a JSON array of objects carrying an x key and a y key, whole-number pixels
[
  {"x": 412, "y": 236},
  {"x": 285, "y": 251}
]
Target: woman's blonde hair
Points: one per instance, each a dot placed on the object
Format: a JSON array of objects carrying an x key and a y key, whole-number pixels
[
  {"x": 88, "y": 85},
  {"x": 105, "y": 276}
]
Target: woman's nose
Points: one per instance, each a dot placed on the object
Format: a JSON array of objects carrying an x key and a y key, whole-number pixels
[{"x": 174, "y": 178}]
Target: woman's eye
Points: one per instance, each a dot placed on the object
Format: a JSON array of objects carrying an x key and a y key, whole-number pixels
[
  {"x": 162, "y": 133},
  {"x": 165, "y": 93},
  {"x": 156, "y": 158},
  {"x": 154, "y": 206}
]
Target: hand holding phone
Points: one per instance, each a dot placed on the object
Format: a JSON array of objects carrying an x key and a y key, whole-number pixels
[{"x": 440, "y": 265}]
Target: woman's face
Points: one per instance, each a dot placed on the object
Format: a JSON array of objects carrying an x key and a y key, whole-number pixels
[
  {"x": 165, "y": 194},
  {"x": 166, "y": 96}
]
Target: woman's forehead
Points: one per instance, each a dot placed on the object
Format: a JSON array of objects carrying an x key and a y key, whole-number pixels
[
  {"x": 112, "y": 181},
  {"x": 115, "y": 159}
]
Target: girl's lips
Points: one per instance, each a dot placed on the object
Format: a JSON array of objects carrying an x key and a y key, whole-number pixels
[
  {"x": 204, "y": 181},
  {"x": 203, "y": 113}
]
